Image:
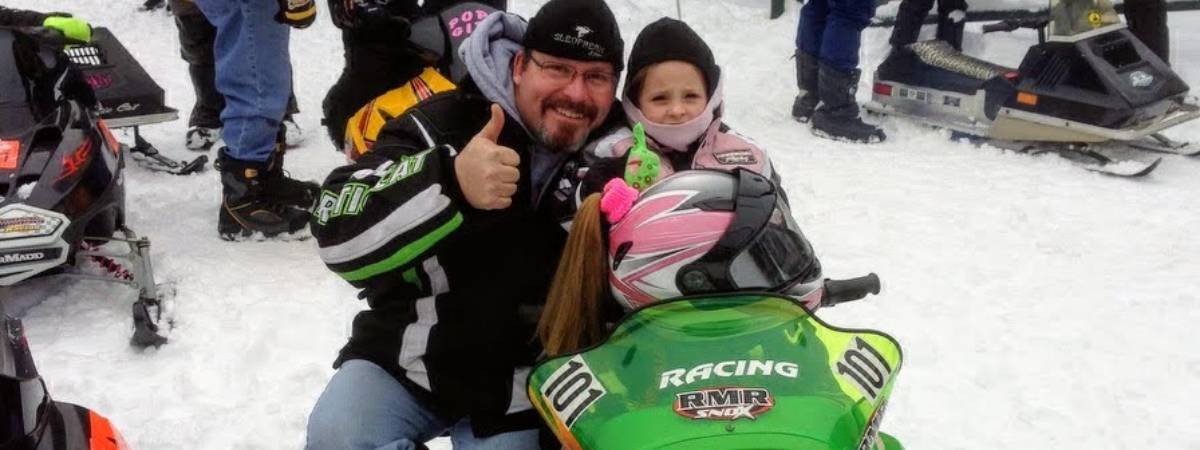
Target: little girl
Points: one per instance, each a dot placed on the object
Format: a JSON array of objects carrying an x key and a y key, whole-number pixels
[
  {"x": 673, "y": 89},
  {"x": 673, "y": 100}
]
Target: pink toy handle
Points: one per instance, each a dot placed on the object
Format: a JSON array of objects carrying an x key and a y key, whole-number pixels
[{"x": 617, "y": 199}]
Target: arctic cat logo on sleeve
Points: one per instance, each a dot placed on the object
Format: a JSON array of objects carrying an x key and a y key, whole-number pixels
[
  {"x": 572, "y": 389},
  {"x": 728, "y": 403},
  {"x": 728, "y": 369},
  {"x": 393, "y": 172}
]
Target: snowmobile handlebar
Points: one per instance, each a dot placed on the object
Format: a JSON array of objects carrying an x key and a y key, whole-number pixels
[
  {"x": 841, "y": 291},
  {"x": 1033, "y": 23}
]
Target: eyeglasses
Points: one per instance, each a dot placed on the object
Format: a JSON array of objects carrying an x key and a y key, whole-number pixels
[{"x": 563, "y": 73}]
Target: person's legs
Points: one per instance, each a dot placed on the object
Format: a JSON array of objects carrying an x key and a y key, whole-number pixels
[
  {"x": 196, "y": 37},
  {"x": 364, "y": 407},
  {"x": 808, "y": 45},
  {"x": 254, "y": 76},
  {"x": 810, "y": 30},
  {"x": 952, "y": 18},
  {"x": 463, "y": 439},
  {"x": 909, "y": 18},
  {"x": 253, "y": 73},
  {"x": 837, "y": 117},
  {"x": 1147, "y": 20}
]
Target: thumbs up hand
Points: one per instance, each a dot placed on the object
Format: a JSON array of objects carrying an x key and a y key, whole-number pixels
[{"x": 488, "y": 172}]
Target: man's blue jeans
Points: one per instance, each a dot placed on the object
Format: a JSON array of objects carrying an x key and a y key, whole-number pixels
[
  {"x": 253, "y": 73},
  {"x": 365, "y": 408},
  {"x": 831, "y": 31}
]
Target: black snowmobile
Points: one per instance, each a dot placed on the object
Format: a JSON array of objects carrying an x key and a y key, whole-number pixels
[
  {"x": 128, "y": 98},
  {"x": 29, "y": 418},
  {"x": 62, "y": 193},
  {"x": 1089, "y": 91}
]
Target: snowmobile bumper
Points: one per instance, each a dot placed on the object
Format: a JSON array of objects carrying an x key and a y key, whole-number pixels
[
  {"x": 31, "y": 242},
  {"x": 1016, "y": 125}
]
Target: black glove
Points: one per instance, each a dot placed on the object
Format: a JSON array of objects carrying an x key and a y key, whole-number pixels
[{"x": 297, "y": 13}]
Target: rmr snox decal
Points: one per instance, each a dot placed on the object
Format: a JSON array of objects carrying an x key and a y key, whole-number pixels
[
  {"x": 572, "y": 389},
  {"x": 864, "y": 367},
  {"x": 871, "y": 435},
  {"x": 725, "y": 403}
]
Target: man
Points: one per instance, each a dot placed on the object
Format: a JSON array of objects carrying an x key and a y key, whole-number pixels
[
  {"x": 196, "y": 38},
  {"x": 952, "y": 16},
  {"x": 253, "y": 73},
  {"x": 448, "y": 226},
  {"x": 70, "y": 27},
  {"x": 1147, "y": 20}
]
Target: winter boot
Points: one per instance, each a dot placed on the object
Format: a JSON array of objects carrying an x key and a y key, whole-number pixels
[
  {"x": 806, "y": 80},
  {"x": 837, "y": 117},
  {"x": 296, "y": 193},
  {"x": 249, "y": 205},
  {"x": 201, "y": 139}
]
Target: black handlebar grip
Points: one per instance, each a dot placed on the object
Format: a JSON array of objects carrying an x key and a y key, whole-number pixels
[
  {"x": 998, "y": 26},
  {"x": 841, "y": 291}
]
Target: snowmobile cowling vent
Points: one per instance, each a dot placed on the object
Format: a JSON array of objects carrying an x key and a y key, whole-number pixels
[{"x": 86, "y": 55}]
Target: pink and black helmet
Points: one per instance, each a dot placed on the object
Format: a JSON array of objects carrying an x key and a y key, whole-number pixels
[{"x": 703, "y": 231}]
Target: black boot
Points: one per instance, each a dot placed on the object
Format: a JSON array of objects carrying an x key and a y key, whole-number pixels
[
  {"x": 837, "y": 117},
  {"x": 249, "y": 207},
  {"x": 806, "y": 80},
  {"x": 290, "y": 191}
]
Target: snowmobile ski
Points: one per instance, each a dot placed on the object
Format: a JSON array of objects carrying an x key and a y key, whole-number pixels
[
  {"x": 147, "y": 156},
  {"x": 1106, "y": 158}
]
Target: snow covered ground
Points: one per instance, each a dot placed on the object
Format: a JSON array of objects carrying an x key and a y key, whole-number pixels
[{"x": 1039, "y": 306}]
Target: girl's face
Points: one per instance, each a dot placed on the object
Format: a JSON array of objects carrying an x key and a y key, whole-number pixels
[{"x": 673, "y": 92}]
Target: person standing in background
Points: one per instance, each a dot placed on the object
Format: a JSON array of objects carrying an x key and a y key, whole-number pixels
[
  {"x": 377, "y": 54},
  {"x": 1147, "y": 19},
  {"x": 827, "y": 41},
  {"x": 952, "y": 15},
  {"x": 253, "y": 73},
  {"x": 196, "y": 38}
]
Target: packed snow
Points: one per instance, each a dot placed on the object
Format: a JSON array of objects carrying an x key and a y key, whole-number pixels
[{"x": 1038, "y": 305}]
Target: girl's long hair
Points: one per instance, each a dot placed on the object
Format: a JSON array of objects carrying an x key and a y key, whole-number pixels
[{"x": 573, "y": 318}]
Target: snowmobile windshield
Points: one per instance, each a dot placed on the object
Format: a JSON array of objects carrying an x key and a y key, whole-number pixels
[
  {"x": 21, "y": 402},
  {"x": 1075, "y": 17}
]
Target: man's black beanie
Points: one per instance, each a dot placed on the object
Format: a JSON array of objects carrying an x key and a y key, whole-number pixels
[
  {"x": 583, "y": 30},
  {"x": 668, "y": 39}
]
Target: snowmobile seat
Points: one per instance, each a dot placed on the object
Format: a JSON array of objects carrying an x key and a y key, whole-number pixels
[
  {"x": 940, "y": 54},
  {"x": 936, "y": 65}
]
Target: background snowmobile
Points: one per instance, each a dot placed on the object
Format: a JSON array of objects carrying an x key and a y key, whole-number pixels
[
  {"x": 62, "y": 193},
  {"x": 1089, "y": 91},
  {"x": 128, "y": 98},
  {"x": 29, "y": 418},
  {"x": 730, "y": 371}
]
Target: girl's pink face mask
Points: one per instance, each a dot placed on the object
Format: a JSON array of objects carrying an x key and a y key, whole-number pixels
[{"x": 676, "y": 137}]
